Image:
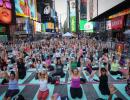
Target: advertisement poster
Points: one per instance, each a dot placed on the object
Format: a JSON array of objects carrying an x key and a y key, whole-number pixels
[
  {"x": 37, "y": 27},
  {"x": 117, "y": 23},
  {"x": 72, "y": 16},
  {"x": 5, "y": 12},
  {"x": 82, "y": 23},
  {"x": 46, "y": 12},
  {"x": 83, "y": 9},
  {"x": 26, "y": 8},
  {"x": 43, "y": 26},
  {"x": 89, "y": 26},
  {"x": 73, "y": 23},
  {"x": 108, "y": 25},
  {"x": 24, "y": 25}
]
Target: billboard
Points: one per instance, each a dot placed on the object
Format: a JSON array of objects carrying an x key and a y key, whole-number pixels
[
  {"x": 46, "y": 12},
  {"x": 108, "y": 25},
  {"x": 117, "y": 23},
  {"x": 5, "y": 11},
  {"x": 37, "y": 26},
  {"x": 43, "y": 27},
  {"x": 86, "y": 26},
  {"x": 24, "y": 25},
  {"x": 82, "y": 23},
  {"x": 26, "y": 8},
  {"x": 83, "y": 9},
  {"x": 73, "y": 24},
  {"x": 72, "y": 16}
]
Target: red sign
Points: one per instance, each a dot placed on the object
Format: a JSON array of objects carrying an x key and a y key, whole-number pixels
[{"x": 117, "y": 23}]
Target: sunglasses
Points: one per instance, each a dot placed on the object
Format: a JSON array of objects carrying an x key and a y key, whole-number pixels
[{"x": 7, "y": 4}]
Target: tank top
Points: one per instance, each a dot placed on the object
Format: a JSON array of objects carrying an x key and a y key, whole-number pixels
[
  {"x": 75, "y": 83},
  {"x": 13, "y": 84},
  {"x": 43, "y": 85}
]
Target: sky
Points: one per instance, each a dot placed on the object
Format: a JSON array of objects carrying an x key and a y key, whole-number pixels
[{"x": 61, "y": 8}]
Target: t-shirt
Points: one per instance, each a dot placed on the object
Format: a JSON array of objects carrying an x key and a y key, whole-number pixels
[
  {"x": 114, "y": 66},
  {"x": 73, "y": 65},
  {"x": 59, "y": 68}
]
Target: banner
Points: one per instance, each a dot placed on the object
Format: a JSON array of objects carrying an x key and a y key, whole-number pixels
[
  {"x": 43, "y": 26},
  {"x": 72, "y": 15},
  {"x": 50, "y": 25},
  {"x": 108, "y": 25},
  {"x": 5, "y": 12},
  {"x": 73, "y": 24},
  {"x": 117, "y": 23},
  {"x": 26, "y": 8},
  {"x": 37, "y": 27}
]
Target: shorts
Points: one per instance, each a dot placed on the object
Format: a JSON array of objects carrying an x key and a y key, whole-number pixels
[
  {"x": 42, "y": 95},
  {"x": 11, "y": 93}
]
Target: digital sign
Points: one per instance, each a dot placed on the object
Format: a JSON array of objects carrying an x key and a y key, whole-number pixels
[
  {"x": 37, "y": 27},
  {"x": 5, "y": 12},
  {"x": 24, "y": 25},
  {"x": 86, "y": 26},
  {"x": 73, "y": 23},
  {"x": 83, "y": 9},
  {"x": 73, "y": 16},
  {"x": 26, "y": 8}
]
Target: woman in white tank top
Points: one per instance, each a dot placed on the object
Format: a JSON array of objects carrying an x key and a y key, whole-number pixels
[{"x": 43, "y": 90}]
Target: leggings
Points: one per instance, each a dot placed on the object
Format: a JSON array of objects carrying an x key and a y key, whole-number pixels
[
  {"x": 116, "y": 72},
  {"x": 59, "y": 74},
  {"x": 76, "y": 92}
]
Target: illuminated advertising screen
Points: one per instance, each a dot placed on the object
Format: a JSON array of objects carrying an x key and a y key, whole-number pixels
[
  {"x": 72, "y": 15},
  {"x": 5, "y": 11},
  {"x": 43, "y": 26},
  {"x": 83, "y": 9},
  {"x": 37, "y": 27},
  {"x": 73, "y": 24},
  {"x": 86, "y": 26},
  {"x": 24, "y": 25},
  {"x": 46, "y": 12},
  {"x": 50, "y": 25},
  {"x": 82, "y": 23},
  {"x": 26, "y": 8}
]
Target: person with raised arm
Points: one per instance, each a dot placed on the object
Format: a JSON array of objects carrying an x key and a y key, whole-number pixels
[
  {"x": 75, "y": 88},
  {"x": 104, "y": 87},
  {"x": 43, "y": 90},
  {"x": 13, "y": 88}
]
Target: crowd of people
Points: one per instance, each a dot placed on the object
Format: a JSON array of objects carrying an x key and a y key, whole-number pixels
[{"x": 52, "y": 58}]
